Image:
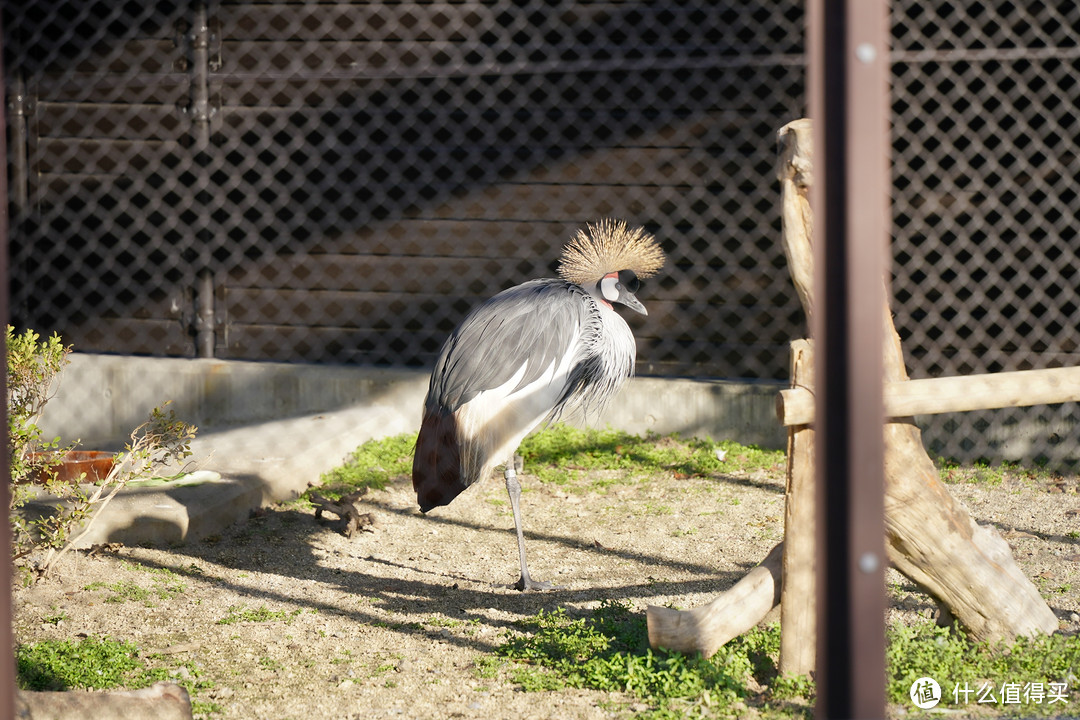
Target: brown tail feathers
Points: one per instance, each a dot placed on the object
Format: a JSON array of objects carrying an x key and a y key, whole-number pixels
[{"x": 437, "y": 463}]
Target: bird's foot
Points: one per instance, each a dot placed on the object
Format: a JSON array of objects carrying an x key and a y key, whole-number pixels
[{"x": 527, "y": 584}]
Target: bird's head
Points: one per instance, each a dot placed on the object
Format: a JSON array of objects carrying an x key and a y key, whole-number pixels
[
  {"x": 608, "y": 259},
  {"x": 620, "y": 287}
]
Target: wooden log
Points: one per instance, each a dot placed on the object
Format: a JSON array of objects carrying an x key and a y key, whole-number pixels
[
  {"x": 161, "y": 701},
  {"x": 798, "y": 597},
  {"x": 931, "y": 396},
  {"x": 733, "y": 612}
]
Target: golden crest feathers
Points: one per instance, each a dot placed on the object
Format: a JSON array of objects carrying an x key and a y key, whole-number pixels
[{"x": 606, "y": 247}]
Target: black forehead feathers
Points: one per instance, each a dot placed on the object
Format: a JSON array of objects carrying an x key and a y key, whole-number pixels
[{"x": 629, "y": 280}]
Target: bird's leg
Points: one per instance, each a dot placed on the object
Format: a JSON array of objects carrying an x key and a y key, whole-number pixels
[{"x": 513, "y": 488}]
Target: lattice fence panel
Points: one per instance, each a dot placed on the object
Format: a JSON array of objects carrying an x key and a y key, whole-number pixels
[
  {"x": 986, "y": 112},
  {"x": 339, "y": 182}
]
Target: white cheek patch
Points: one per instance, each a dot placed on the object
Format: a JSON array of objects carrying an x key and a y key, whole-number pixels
[{"x": 609, "y": 288}]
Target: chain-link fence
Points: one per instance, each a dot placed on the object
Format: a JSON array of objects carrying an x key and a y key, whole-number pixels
[{"x": 341, "y": 182}]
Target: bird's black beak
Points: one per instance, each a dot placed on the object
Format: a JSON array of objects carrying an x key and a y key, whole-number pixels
[{"x": 628, "y": 285}]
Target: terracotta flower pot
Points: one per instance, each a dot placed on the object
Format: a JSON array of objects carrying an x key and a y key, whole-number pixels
[{"x": 95, "y": 463}]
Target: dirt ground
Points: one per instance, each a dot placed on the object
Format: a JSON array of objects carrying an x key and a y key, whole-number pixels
[{"x": 391, "y": 622}]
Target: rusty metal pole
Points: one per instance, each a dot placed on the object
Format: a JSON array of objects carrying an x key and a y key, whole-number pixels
[
  {"x": 7, "y": 640},
  {"x": 848, "y": 87},
  {"x": 200, "y": 110}
]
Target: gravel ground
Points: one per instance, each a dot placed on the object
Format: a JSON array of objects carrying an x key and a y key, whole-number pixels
[{"x": 392, "y": 621}]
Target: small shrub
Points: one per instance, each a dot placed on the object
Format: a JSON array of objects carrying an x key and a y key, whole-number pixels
[
  {"x": 33, "y": 366},
  {"x": 102, "y": 663},
  {"x": 955, "y": 661}
]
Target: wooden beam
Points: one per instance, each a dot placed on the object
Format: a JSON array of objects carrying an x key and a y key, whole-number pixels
[
  {"x": 931, "y": 538},
  {"x": 932, "y": 396}
]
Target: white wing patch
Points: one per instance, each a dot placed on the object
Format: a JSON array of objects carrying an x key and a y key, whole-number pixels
[{"x": 497, "y": 420}]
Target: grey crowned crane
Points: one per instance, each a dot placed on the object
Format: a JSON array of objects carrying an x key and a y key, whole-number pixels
[{"x": 527, "y": 355}]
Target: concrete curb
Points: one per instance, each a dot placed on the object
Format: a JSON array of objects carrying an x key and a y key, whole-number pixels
[{"x": 235, "y": 472}]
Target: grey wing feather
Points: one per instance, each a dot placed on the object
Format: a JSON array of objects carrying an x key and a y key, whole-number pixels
[{"x": 531, "y": 324}]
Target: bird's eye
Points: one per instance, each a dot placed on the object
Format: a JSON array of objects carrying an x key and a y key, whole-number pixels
[{"x": 629, "y": 280}]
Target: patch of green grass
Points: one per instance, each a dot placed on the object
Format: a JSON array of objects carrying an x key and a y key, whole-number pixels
[
  {"x": 488, "y": 667},
  {"x": 122, "y": 591},
  {"x": 89, "y": 663},
  {"x": 383, "y": 669},
  {"x": 979, "y": 473},
  {"x": 166, "y": 585},
  {"x": 237, "y": 614},
  {"x": 957, "y": 663},
  {"x": 345, "y": 658},
  {"x": 563, "y": 454},
  {"x": 609, "y": 651},
  {"x": 445, "y": 622},
  {"x": 102, "y": 663},
  {"x": 270, "y": 663},
  {"x": 374, "y": 464},
  {"x": 58, "y": 616},
  {"x": 170, "y": 587},
  {"x": 130, "y": 591},
  {"x": 993, "y": 473},
  {"x": 163, "y": 575},
  {"x": 301, "y": 503},
  {"x": 560, "y": 452}
]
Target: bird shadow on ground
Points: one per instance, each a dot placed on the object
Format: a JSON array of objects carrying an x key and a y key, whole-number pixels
[{"x": 400, "y": 590}]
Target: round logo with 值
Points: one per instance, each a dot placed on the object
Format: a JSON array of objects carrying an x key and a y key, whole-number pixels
[{"x": 925, "y": 693}]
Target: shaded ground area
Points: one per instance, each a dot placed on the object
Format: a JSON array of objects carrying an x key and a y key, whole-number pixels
[{"x": 284, "y": 617}]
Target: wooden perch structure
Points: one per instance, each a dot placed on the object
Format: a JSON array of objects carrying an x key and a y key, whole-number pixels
[{"x": 932, "y": 539}]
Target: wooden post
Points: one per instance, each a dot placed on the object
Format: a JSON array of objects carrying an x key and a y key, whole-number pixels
[{"x": 798, "y": 619}]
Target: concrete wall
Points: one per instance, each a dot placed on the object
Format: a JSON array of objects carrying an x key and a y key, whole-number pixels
[{"x": 101, "y": 398}]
